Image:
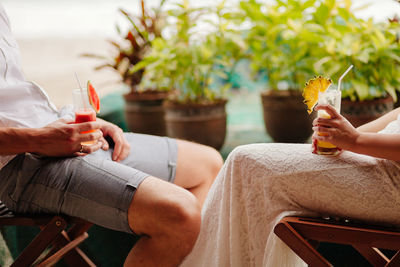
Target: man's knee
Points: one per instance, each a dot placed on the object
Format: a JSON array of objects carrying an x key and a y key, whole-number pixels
[
  {"x": 184, "y": 220},
  {"x": 161, "y": 209},
  {"x": 215, "y": 161},
  {"x": 210, "y": 164}
]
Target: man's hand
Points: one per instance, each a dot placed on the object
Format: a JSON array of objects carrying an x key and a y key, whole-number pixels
[
  {"x": 63, "y": 138},
  {"x": 336, "y": 130},
  {"x": 121, "y": 145}
]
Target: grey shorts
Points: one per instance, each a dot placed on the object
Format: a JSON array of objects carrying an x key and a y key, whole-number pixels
[{"x": 92, "y": 187}]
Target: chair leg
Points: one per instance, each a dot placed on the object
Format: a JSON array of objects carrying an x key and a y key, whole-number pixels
[
  {"x": 41, "y": 242},
  {"x": 373, "y": 255},
  {"x": 53, "y": 259},
  {"x": 299, "y": 245},
  {"x": 395, "y": 260},
  {"x": 75, "y": 256}
]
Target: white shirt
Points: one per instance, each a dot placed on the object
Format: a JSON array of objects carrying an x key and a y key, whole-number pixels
[{"x": 22, "y": 103}]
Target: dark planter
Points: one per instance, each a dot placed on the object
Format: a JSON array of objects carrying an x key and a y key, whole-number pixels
[
  {"x": 144, "y": 112},
  {"x": 201, "y": 123},
  {"x": 361, "y": 112},
  {"x": 285, "y": 116}
]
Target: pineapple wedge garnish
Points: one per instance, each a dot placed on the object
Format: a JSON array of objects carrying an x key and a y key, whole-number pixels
[{"x": 312, "y": 89}]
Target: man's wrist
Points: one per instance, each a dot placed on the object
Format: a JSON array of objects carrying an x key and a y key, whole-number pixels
[
  {"x": 32, "y": 140},
  {"x": 18, "y": 140}
]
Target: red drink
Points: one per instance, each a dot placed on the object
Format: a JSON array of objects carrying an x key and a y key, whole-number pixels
[{"x": 85, "y": 115}]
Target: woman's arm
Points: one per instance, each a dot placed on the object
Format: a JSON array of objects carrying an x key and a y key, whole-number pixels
[
  {"x": 57, "y": 139},
  {"x": 338, "y": 131},
  {"x": 385, "y": 146},
  {"x": 380, "y": 123}
]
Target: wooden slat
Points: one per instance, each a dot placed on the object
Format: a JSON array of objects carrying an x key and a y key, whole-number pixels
[
  {"x": 40, "y": 242},
  {"x": 347, "y": 234},
  {"x": 395, "y": 260},
  {"x": 26, "y": 221},
  {"x": 373, "y": 255},
  {"x": 365, "y": 239},
  {"x": 63, "y": 251},
  {"x": 300, "y": 246}
]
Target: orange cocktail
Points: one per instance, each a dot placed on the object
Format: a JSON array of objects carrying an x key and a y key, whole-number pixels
[{"x": 332, "y": 96}]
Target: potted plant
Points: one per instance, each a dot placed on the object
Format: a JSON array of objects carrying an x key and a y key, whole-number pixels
[
  {"x": 191, "y": 62},
  {"x": 143, "y": 105},
  {"x": 284, "y": 42},
  {"x": 373, "y": 48}
]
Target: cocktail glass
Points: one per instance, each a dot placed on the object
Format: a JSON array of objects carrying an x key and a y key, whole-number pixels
[
  {"x": 332, "y": 96},
  {"x": 83, "y": 110}
]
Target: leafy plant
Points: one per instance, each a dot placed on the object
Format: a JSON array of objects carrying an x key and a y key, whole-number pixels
[
  {"x": 373, "y": 48},
  {"x": 291, "y": 41},
  {"x": 190, "y": 60},
  {"x": 134, "y": 44},
  {"x": 284, "y": 40}
]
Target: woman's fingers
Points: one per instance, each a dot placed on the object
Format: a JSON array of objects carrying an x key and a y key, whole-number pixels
[
  {"x": 322, "y": 129},
  {"x": 328, "y": 123},
  {"x": 329, "y": 109}
]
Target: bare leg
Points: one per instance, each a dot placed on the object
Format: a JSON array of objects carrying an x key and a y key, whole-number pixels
[
  {"x": 168, "y": 217},
  {"x": 197, "y": 167}
]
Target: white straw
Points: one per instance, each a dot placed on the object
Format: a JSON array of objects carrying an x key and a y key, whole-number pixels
[
  {"x": 341, "y": 77},
  {"x": 80, "y": 87}
]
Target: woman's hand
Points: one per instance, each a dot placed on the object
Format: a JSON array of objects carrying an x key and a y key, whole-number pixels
[
  {"x": 336, "y": 130},
  {"x": 63, "y": 138},
  {"x": 121, "y": 145}
]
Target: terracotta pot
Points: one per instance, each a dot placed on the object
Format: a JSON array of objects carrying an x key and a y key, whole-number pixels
[
  {"x": 201, "y": 123},
  {"x": 285, "y": 116},
  {"x": 144, "y": 112},
  {"x": 361, "y": 112}
]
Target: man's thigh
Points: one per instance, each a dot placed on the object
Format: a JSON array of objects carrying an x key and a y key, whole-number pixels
[{"x": 91, "y": 187}]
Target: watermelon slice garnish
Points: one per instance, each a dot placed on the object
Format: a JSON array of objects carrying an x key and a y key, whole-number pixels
[{"x": 94, "y": 99}]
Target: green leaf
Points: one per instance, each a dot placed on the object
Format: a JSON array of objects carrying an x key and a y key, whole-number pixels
[
  {"x": 361, "y": 88},
  {"x": 322, "y": 14},
  {"x": 391, "y": 90}
]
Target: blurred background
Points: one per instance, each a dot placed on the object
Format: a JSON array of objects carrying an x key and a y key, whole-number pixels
[{"x": 52, "y": 34}]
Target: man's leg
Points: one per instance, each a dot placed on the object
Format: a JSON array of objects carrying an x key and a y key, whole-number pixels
[
  {"x": 168, "y": 218},
  {"x": 197, "y": 167}
]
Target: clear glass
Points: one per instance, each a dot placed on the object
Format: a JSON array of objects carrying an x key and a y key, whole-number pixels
[
  {"x": 332, "y": 96},
  {"x": 84, "y": 112}
]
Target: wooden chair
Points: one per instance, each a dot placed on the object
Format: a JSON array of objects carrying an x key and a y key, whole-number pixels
[
  {"x": 303, "y": 234},
  {"x": 58, "y": 238}
]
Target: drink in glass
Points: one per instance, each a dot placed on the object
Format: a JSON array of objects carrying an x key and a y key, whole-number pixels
[
  {"x": 332, "y": 96},
  {"x": 84, "y": 112}
]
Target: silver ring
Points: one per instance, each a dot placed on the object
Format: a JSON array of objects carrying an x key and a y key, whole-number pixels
[{"x": 81, "y": 150}]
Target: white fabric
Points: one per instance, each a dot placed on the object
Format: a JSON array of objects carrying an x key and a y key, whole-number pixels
[
  {"x": 393, "y": 127},
  {"x": 22, "y": 103},
  {"x": 261, "y": 183}
]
